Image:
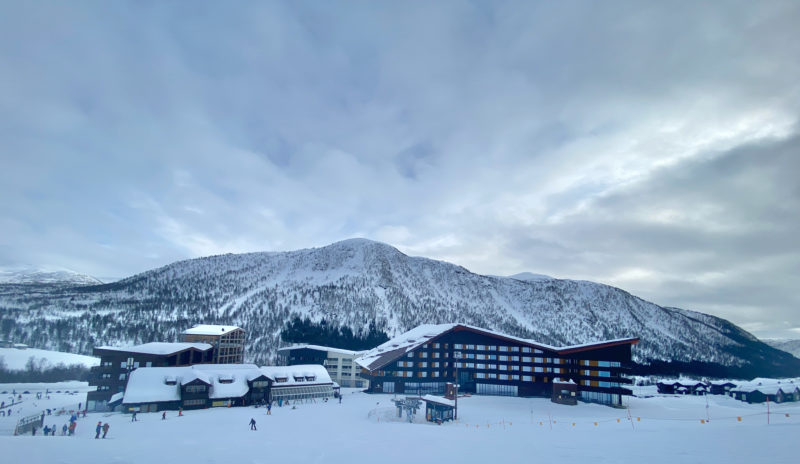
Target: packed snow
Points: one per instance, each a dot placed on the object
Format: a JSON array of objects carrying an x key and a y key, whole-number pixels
[
  {"x": 661, "y": 429},
  {"x": 17, "y": 359}
]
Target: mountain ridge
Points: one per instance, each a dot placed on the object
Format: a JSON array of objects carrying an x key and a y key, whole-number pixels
[{"x": 359, "y": 282}]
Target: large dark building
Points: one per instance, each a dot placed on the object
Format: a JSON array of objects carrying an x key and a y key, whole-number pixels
[
  {"x": 117, "y": 363},
  {"x": 423, "y": 359}
]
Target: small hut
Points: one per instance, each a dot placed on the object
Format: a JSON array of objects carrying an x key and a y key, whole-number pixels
[
  {"x": 438, "y": 409},
  {"x": 565, "y": 391}
]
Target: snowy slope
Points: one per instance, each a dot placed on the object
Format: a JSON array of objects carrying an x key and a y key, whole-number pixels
[
  {"x": 662, "y": 430},
  {"x": 40, "y": 276},
  {"x": 358, "y": 282},
  {"x": 17, "y": 359},
  {"x": 789, "y": 346}
]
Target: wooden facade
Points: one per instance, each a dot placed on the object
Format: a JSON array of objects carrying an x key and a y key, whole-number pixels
[{"x": 496, "y": 364}]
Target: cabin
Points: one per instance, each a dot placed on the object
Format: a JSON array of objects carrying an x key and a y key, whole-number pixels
[
  {"x": 721, "y": 388},
  {"x": 564, "y": 392},
  {"x": 438, "y": 409}
]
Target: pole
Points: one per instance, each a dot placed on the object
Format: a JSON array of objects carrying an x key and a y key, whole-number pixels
[{"x": 457, "y": 358}]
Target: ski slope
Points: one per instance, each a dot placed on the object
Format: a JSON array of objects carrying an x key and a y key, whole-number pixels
[{"x": 490, "y": 430}]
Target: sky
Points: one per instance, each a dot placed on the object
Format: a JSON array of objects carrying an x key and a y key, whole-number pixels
[{"x": 652, "y": 146}]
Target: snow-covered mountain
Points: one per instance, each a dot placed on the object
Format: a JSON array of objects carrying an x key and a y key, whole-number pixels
[
  {"x": 359, "y": 282},
  {"x": 41, "y": 276},
  {"x": 787, "y": 345}
]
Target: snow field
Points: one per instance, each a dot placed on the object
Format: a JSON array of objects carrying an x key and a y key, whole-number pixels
[
  {"x": 490, "y": 430},
  {"x": 17, "y": 359}
]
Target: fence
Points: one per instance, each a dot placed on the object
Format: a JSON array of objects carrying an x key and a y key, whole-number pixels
[{"x": 26, "y": 424}]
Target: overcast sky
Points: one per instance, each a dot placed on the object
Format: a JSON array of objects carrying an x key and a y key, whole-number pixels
[{"x": 653, "y": 146}]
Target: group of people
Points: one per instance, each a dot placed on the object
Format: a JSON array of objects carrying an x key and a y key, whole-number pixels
[{"x": 101, "y": 427}]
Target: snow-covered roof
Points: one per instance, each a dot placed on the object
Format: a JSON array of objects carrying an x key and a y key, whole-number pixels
[
  {"x": 116, "y": 397},
  {"x": 439, "y": 400},
  {"x": 292, "y": 374},
  {"x": 158, "y": 384},
  {"x": 403, "y": 343},
  {"x": 560, "y": 380},
  {"x": 321, "y": 348},
  {"x": 769, "y": 386},
  {"x": 158, "y": 348},
  {"x": 206, "y": 329}
]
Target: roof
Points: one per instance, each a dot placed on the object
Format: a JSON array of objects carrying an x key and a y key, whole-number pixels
[
  {"x": 158, "y": 348},
  {"x": 149, "y": 384},
  {"x": 768, "y": 386},
  {"x": 206, "y": 329},
  {"x": 438, "y": 400},
  {"x": 116, "y": 397},
  {"x": 321, "y": 348},
  {"x": 403, "y": 343},
  {"x": 289, "y": 373}
]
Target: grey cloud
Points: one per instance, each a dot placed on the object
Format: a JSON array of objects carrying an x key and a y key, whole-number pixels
[{"x": 506, "y": 137}]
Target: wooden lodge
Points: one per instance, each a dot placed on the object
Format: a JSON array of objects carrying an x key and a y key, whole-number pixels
[{"x": 223, "y": 385}]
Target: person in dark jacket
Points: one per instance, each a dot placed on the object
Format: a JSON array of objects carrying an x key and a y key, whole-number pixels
[
  {"x": 98, "y": 429},
  {"x": 164, "y": 415},
  {"x": 252, "y": 424},
  {"x": 105, "y": 429}
]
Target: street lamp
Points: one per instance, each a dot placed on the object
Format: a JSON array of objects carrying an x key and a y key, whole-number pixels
[{"x": 457, "y": 357}]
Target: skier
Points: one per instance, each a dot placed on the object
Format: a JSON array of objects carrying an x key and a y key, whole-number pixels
[
  {"x": 340, "y": 398},
  {"x": 105, "y": 429},
  {"x": 98, "y": 429},
  {"x": 133, "y": 417},
  {"x": 53, "y": 430},
  {"x": 252, "y": 424},
  {"x": 180, "y": 412},
  {"x": 72, "y": 426},
  {"x": 164, "y": 415},
  {"x": 269, "y": 408},
  {"x": 46, "y": 430},
  {"x": 64, "y": 429}
]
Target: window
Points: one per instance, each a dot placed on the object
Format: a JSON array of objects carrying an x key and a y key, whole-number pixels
[
  {"x": 123, "y": 365},
  {"x": 470, "y": 347},
  {"x": 122, "y": 376},
  {"x": 196, "y": 402},
  {"x": 201, "y": 388},
  {"x": 480, "y": 375},
  {"x": 526, "y": 359},
  {"x": 491, "y": 366},
  {"x": 107, "y": 376},
  {"x": 423, "y": 354},
  {"x": 458, "y": 346},
  {"x": 527, "y": 378},
  {"x": 502, "y": 357},
  {"x": 480, "y": 357},
  {"x": 481, "y": 347},
  {"x": 504, "y": 349},
  {"x": 500, "y": 390},
  {"x": 538, "y": 369},
  {"x": 436, "y": 355},
  {"x": 515, "y": 349},
  {"x": 436, "y": 345},
  {"x": 492, "y": 348},
  {"x": 422, "y": 364},
  {"x": 503, "y": 377},
  {"x": 434, "y": 364},
  {"x": 149, "y": 364},
  {"x": 481, "y": 366},
  {"x": 526, "y": 349},
  {"x": 526, "y": 369},
  {"x": 537, "y": 360},
  {"x": 502, "y": 367}
]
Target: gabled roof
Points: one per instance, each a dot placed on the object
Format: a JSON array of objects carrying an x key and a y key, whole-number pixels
[
  {"x": 321, "y": 348},
  {"x": 403, "y": 343},
  {"x": 157, "y": 348},
  {"x": 206, "y": 329}
]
